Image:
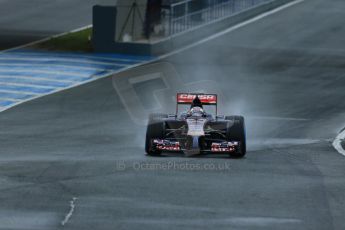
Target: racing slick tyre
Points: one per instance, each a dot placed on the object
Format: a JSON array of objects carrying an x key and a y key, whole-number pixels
[
  {"x": 236, "y": 132},
  {"x": 155, "y": 130}
]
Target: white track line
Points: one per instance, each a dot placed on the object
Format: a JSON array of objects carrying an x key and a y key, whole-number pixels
[
  {"x": 9, "y": 99},
  {"x": 27, "y": 85},
  {"x": 231, "y": 29},
  {"x": 33, "y": 84},
  {"x": 71, "y": 55},
  {"x": 66, "y": 73},
  {"x": 44, "y": 65},
  {"x": 38, "y": 79},
  {"x": 63, "y": 89},
  {"x": 70, "y": 213},
  {"x": 19, "y": 92},
  {"x": 337, "y": 142},
  {"x": 66, "y": 60}
]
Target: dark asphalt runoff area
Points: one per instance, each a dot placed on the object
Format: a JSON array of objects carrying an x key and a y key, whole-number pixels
[
  {"x": 75, "y": 159},
  {"x": 23, "y": 21}
]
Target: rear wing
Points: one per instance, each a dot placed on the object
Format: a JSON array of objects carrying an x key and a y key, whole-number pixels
[{"x": 187, "y": 98}]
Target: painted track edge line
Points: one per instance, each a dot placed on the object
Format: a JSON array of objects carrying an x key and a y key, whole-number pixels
[
  {"x": 73, "y": 86},
  {"x": 233, "y": 28},
  {"x": 45, "y": 39}
]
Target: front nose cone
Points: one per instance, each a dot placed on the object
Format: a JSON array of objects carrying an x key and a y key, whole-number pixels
[{"x": 192, "y": 146}]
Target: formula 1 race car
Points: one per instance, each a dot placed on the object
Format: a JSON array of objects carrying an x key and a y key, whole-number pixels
[{"x": 195, "y": 131}]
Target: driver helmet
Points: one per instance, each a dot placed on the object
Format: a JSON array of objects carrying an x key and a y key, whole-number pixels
[{"x": 196, "y": 111}]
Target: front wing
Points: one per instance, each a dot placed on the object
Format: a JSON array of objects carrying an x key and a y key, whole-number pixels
[{"x": 177, "y": 146}]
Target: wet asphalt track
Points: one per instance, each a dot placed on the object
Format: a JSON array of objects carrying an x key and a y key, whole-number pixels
[
  {"x": 285, "y": 73},
  {"x": 23, "y": 21}
]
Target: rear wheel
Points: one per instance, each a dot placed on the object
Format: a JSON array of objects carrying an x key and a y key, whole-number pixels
[
  {"x": 155, "y": 130},
  {"x": 236, "y": 132}
]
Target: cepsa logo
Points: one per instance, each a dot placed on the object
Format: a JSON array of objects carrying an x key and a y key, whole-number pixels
[{"x": 204, "y": 98}]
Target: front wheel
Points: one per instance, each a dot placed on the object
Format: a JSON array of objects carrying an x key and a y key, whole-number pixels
[
  {"x": 236, "y": 132},
  {"x": 155, "y": 130}
]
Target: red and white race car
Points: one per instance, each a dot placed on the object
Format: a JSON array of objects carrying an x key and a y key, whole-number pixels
[{"x": 195, "y": 131}]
